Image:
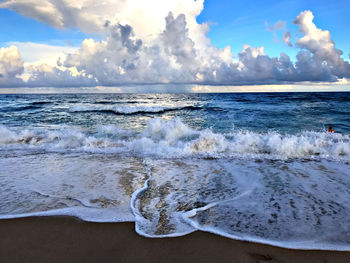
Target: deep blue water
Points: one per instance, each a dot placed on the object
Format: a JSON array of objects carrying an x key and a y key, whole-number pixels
[{"x": 259, "y": 112}]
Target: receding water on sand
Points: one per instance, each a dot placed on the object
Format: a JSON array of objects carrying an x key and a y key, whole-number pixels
[{"x": 93, "y": 187}]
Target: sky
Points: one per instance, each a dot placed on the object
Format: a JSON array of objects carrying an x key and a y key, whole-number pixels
[{"x": 193, "y": 44}]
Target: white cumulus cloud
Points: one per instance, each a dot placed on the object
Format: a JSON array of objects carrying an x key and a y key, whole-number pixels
[
  {"x": 11, "y": 66},
  {"x": 146, "y": 17},
  {"x": 320, "y": 44},
  {"x": 160, "y": 42},
  {"x": 37, "y": 53}
]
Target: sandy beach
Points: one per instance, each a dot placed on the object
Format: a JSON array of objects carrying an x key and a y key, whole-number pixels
[{"x": 64, "y": 239}]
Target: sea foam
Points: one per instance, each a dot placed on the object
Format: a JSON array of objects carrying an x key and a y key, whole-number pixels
[
  {"x": 288, "y": 190},
  {"x": 175, "y": 139},
  {"x": 286, "y": 204}
]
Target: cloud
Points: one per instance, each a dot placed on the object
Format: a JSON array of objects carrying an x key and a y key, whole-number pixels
[
  {"x": 123, "y": 58},
  {"x": 48, "y": 76},
  {"x": 173, "y": 58},
  {"x": 321, "y": 45},
  {"x": 279, "y": 25},
  {"x": 85, "y": 15},
  {"x": 287, "y": 38},
  {"x": 37, "y": 53},
  {"x": 11, "y": 65},
  {"x": 176, "y": 51},
  {"x": 146, "y": 17}
]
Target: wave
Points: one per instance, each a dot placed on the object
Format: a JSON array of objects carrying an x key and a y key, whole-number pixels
[
  {"x": 20, "y": 108},
  {"x": 215, "y": 109},
  {"x": 287, "y": 190},
  {"x": 116, "y": 102},
  {"x": 105, "y": 102},
  {"x": 26, "y": 107},
  {"x": 41, "y": 102},
  {"x": 175, "y": 139},
  {"x": 131, "y": 110},
  {"x": 84, "y": 109}
]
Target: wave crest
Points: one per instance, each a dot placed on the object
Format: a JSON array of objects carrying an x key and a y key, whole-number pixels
[{"x": 175, "y": 139}]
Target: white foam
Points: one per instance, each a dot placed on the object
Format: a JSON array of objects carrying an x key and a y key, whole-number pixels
[
  {"x": 136, "y": 109},
  {"x": 94, "y": 188},
  {"x": 86, "y": 214},
  {"x": 175, "y": 139},
  {"x": 303, "y": 245},
  {"x": 307, "y": 201},
  {"x": 286, "y": 204},
  {"x": 169, "y": 131}
]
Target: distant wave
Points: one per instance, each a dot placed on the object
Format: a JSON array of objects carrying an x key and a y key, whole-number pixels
[
  {"x": 20, "y": 108},
  {"x": 214, "y": 108},
  {"x": 242, "y": 100},
  {"x": 131, "y": 110},
  {"x": 175, "y": 139},
  {"x": 26, "y": 107},
  {"x": 41, "y": 102},
  {"x": 116, "y": 102},
  {"x": 84, "y": 109},
  {"x": 104, "y": 102}
]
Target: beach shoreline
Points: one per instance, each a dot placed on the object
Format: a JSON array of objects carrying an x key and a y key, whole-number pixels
[{"x": 67, "y": 239}]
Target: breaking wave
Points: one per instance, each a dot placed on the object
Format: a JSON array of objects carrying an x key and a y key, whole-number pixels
[
  {"x": 175, "y": 139},
  {"x": 287, "y": 190}
]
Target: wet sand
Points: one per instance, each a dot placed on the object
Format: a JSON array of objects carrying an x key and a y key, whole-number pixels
[{"x": 64, "y": 239}]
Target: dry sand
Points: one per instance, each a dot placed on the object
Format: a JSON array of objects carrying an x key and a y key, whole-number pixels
[{"x": 64, "y": 239}]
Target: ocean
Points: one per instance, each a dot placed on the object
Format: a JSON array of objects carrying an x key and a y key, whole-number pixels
[{"x": 259, "y": 167}]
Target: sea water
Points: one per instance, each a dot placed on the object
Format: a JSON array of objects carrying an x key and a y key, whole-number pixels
[{"x": 259, "y": 167}]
